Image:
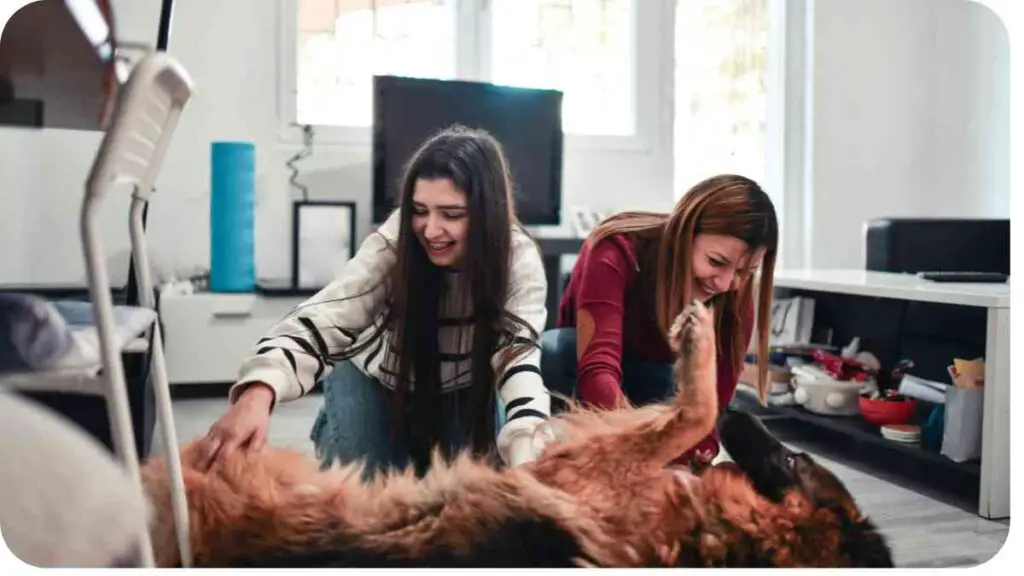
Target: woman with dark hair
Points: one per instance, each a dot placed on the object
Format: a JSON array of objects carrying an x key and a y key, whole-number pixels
[
  {"x": 432, "y": 326},
  {"x": 637, "y": 271}
]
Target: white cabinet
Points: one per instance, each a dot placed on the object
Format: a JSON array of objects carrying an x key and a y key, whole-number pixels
[{"x": 208, "y": 335}]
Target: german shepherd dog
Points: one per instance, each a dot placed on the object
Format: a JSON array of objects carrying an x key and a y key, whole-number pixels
[{"x": 602, "y": 494}]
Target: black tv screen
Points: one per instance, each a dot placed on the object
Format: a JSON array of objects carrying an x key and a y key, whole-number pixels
[{"x": 527, "y": 122}]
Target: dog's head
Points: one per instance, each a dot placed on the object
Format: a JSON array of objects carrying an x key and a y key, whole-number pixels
[{"x": 776, "y": 471}]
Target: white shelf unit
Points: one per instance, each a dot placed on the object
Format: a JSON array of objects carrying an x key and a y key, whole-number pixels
[{"x": 209, "y": 335}]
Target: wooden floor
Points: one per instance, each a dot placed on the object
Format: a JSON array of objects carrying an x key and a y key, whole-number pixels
[{"x": 925, "y": 529}]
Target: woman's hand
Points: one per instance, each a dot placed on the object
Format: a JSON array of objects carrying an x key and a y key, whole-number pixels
[
  {"x": 244, "y": 425},
  {"x": 701, "y": 460}
]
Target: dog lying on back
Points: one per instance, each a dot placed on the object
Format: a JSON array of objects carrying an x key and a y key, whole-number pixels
[{"x": 604, "y": 494}]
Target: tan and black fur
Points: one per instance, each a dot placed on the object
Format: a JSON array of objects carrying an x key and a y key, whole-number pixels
[{"x": 603, "y": 494}]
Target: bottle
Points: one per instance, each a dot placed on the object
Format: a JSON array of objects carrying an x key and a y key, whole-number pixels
[{"x": 232, "y": 217}]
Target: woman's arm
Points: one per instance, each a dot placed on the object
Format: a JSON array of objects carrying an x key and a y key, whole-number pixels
[
  {"x": 599, "y": 318},
  {"x": 294, "y": 354},
  {"x": 520, "y": 386}
]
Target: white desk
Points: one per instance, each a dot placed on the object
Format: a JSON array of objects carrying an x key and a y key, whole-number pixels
[{"x": 994, "y": 498}]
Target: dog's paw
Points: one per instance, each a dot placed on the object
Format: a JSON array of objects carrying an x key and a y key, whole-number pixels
[
  {"x": 675, "y": 335},
  {"x": 693, "y": 330},
  {"x": 693, "y": 339}
]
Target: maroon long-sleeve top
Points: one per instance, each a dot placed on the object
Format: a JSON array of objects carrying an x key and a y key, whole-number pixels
[{"x": 604, "y": 302}]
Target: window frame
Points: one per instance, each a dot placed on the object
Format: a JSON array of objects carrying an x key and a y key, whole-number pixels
[{"x": 473, "y": 19}]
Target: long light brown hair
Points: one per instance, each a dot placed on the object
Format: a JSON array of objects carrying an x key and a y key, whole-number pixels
[{"x": 728, "y": 205}]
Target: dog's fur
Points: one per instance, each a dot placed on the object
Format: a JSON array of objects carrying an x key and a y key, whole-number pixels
[{"x": 603, "y": 494}]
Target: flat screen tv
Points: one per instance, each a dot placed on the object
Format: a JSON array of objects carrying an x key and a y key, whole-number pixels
[{"x": 527, "y": 122}]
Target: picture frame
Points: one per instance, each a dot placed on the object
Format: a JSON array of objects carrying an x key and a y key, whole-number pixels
[{"x": 323, "y": 241}]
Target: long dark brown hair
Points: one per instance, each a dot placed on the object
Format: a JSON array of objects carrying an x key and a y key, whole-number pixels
[
  {"x": 476, "y": 165},
  {"x": 726, "y": 204}
]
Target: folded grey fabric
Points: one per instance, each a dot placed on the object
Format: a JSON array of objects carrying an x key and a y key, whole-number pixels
[
  {"x": 129, "y": 323},
  {"x": 37, "y": 334},
  {"x": 33, "y": 334}
]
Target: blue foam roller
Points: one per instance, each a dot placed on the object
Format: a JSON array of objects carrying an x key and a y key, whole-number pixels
[{"x": 232, "y": 217}]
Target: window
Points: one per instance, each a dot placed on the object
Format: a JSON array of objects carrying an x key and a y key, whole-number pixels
[
  {"x": 586, "y": 48},
  {"x": 343, "y": 43},
  {"x": 582, "y": 47},
  {"x": 721, "y": 107}
]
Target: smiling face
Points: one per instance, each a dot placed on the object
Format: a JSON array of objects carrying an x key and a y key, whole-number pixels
[
  {"x": 720, "y": 264},
  {"x": 440, "y": 220}
]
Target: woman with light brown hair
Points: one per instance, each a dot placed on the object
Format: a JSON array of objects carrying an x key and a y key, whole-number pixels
[{"x": 637, "y": 271}]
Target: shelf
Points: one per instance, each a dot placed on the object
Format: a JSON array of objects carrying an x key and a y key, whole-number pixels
[
  {"x": 84, "y": 379},
  {"x": 56, "y": 67},
  {"x": 895, "y": 286},
  {"x": 851, "y": 426}
]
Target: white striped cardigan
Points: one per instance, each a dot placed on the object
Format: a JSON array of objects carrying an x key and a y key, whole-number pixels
[{"x": 291, "y": 357}]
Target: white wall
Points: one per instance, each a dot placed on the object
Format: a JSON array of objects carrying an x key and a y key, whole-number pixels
[
  {"x": 909, "y": 116},
  {"x": 971, "y": 111},
  {"x": 235, "y": 70}
]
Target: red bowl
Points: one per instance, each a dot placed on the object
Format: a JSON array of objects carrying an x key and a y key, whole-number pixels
[{"x": 882, "y": 412}]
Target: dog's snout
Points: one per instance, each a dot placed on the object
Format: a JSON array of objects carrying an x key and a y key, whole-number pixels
[
  {"x": 742, "y": 430},
  {"x": 735, "y": 423}
]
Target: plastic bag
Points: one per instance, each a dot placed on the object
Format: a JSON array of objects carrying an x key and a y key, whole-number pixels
[{"x": 961, "y": 436}]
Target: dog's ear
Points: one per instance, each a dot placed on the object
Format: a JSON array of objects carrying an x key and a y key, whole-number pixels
[{"x": 866, "y": 547}]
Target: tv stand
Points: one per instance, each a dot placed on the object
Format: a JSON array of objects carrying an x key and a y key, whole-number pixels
[{"x": 852, "y": 290}]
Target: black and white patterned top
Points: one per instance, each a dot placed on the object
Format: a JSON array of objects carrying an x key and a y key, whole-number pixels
[{"x": 297, "y": 351}]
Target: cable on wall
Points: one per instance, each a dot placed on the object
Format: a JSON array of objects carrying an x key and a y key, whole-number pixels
[{"x": 307, "y": 150}]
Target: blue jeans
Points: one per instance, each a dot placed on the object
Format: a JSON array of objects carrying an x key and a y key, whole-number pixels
[
  {"x": 354, "y": 423},
  {"x": 643, "y": 381}
]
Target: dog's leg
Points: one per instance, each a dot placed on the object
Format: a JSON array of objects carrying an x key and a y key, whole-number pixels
[
  {"x": 693, "y": 412},
  {"x": 603, "y": 448},
  {"x": 696, "y": 404}
]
